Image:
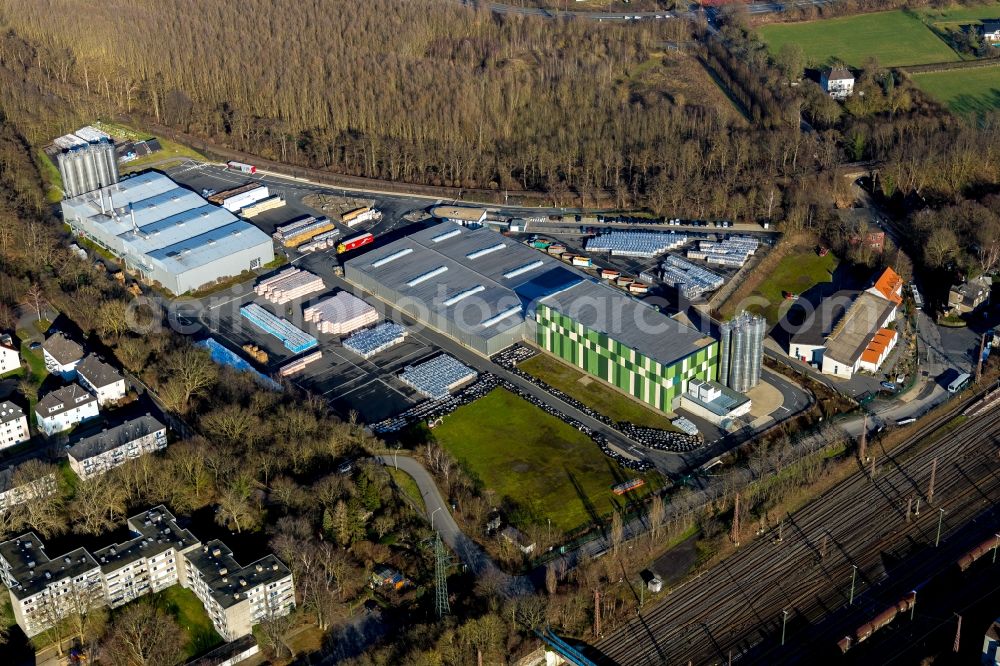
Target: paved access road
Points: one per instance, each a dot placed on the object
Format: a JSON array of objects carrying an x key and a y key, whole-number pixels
[{"x": 439, "y": 515}]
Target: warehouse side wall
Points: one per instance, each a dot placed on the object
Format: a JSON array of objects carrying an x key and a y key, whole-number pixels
[{"x": 607, "y": 359}]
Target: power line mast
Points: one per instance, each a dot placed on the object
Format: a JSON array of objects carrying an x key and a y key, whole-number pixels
[{"x": 441, "y": 561}]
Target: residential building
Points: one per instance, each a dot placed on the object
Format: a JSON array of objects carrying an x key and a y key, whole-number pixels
[
  {"x": 13, "y": 493},
  {"x": 101, "y": 379},
  {"x": 871, "y": 236},
  {"x": 237, "y": 597},
  {"x": 159, "y": 554},
  {"x": 93, "y": 455},
  {"x": 10, "y": 356},
  {"x": 168, "y": 234},
  {"x": 990, "y": 31},
  {"x": 61, "y": 355},
  {"x": 837, "y": 82},
  {"x": 147, "y": 563},
  {"x": 964, "y": 298},
  {"x": 741, "y": 351},
  {"x": 64, "y": 408},
  {"x": 13, "y": 425}
]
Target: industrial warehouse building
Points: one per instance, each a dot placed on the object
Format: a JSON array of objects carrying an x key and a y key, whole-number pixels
[
  {"x": 168, "y": 234},
  {"x": 489, "y": 292},
  {"x": 627, "y": 344}
]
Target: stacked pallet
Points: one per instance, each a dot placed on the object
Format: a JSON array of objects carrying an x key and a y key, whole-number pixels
[
  {"x": 258, "y": 207},
  {"x": 321, "y": 242},
  {"x": 288, "y": 285},
  {"x": 299, "y": 364},
  {"x": 341, "y": 314},
  {"x": 304, "y": 229},
  {"x": 295, "y": 339}
]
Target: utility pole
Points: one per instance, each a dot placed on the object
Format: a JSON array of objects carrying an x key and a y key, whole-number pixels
[
  {"x": 979, "y": 370},
  {"x": 784, "y": 621},
  {"x": 597, "y": 613},
  {"x": 441, "y": 605},
  {"x": 995, "y": 546},
  {"x": 822, "y": 548},
  {"x": 930, "y": 486},
  {"x": 873, "y": 468},
  {"x": 937, "y": 539},
  {"x": 909, "y": 506},
  {"x": 913, "y": 608},
  {"x": 863, "y": 442},
  {"x": 917, "y": 512},
  {"x": 958, "y": 634},
  {"x": 854, "y": 575},
  {"x": 781, "y": 525},
  {"x": 735, "y": 536}
]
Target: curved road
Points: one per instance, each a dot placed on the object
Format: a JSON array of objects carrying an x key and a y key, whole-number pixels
[{"x": 439, "y": 515}]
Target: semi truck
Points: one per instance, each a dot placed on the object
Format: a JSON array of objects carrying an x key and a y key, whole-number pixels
[
  {"x": 354, "y": 242},
  {"x": 241, "y": 167}
]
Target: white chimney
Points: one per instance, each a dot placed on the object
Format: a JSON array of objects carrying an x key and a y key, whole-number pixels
[{"x": 103, "y": 209}]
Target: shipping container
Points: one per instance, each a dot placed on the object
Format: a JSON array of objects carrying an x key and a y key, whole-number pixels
[
  {"x": 354, "y": 242},
  {"x": 241, "y": 167}
]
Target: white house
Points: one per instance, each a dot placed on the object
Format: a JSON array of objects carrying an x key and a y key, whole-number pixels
[
  {"x": 13, "y": 425},
  {"x": 837, "y": 82},
  {"x": 64, "y": 408},
  {"x": 61, "y": 355},
  {"x": 101, "y": 379},
  {"x": 10, "y": 357},
  {"x": 990, "y": 30}
]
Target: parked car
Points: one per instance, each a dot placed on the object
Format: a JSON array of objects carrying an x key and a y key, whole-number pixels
[{"x": 888, "y": 386}]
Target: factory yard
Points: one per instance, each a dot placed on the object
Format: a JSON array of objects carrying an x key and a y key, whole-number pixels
[
  {"x": 592, "y": 392},
  {"x": 896, "y": 38},
  {"x": 533, "y": 460}
]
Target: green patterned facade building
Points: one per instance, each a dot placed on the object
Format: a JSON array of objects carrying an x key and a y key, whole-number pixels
[{"x": 654, "y": 367}]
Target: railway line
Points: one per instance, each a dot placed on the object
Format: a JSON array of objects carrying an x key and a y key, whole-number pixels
[{"x": 737, "y": 609}]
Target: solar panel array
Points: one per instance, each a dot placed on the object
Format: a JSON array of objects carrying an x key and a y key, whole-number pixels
[{"x": 734, "y": 251}]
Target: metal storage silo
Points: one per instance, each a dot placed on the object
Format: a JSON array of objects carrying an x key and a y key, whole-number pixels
[
  {"x": 70, "y": 181},
  {"x": 95, "y": 154},
  {"x": 111, "y": 159},
  {"x": 91, "y": 177}
]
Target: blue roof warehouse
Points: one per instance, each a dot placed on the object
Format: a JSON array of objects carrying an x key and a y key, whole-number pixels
[{"x": 169, "y": 234}]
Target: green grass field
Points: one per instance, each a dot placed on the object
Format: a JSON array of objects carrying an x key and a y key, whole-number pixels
[
  {"x": 593, "y": 392},
  {"x": 191, "y": 616},
  {"x": 544, "y": 465},
  {"x": 797, "y": 272},
  {"x": 963, "y": 91},
  {"x": 896, "y": 38},
  {"x": 960, "y": 14},
  {"x": 51, "y": 177}
]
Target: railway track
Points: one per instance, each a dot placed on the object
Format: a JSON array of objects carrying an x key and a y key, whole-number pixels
[{"x": 735, "y": 610}]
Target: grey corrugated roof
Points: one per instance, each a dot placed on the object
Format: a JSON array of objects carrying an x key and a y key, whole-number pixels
[
  {"x": 98, "y": 443},
  {"x": 820, "y": 322},
  {"x": 649, "y": 332},
  {"x": 430, "y": 251},
  {"x": 205, "y": 248},
  {"x": 97, "y": 372},
  {"x": 852, "y": 334},
  {"x": 62, "y": 349}
]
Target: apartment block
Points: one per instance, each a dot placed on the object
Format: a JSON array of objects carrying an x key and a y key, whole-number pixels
[
  {"x": 159, "y": 554},
  {"x": 95, "y": 454},
  {"x": 61, "y": 355},
  {"x": 237, "y": 597},
  {"x": 11, "y": 495},
  {"x": 10, "y": 357},
  {"x": 64, "y": 408},
  {"x": 101, "y": 379},
  {"x": 13, "y": 425}
]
